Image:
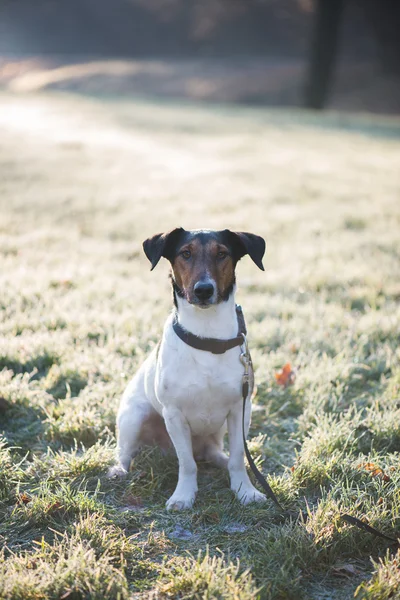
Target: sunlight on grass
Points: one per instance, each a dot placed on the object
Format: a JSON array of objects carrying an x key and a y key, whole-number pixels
[{"x": 83, "y": 182}]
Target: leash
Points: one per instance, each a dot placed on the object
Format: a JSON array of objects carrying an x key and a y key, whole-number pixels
[
  {"x": 217, "y": 346},
  {"x": 246, "y": 361}
]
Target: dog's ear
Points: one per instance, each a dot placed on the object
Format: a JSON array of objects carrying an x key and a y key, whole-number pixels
[
  {"x": 161, "y": 244},
  {"x": 248, "y": 243}
]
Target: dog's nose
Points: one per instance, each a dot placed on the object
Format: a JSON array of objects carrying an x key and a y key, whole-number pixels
[{"x": 203, "y": 291}]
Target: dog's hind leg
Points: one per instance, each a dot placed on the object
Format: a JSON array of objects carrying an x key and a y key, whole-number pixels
[
  {"x": 133, "y": 412},
  {"x": 129, "y": 424},
  {"x": 213, "y": 450}
]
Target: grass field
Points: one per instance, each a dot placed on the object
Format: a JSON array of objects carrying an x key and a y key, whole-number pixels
[{"x": 83, "y": 181}]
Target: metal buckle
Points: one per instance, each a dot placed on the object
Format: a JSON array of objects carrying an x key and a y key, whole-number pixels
[{"x": 245, "y": 358}]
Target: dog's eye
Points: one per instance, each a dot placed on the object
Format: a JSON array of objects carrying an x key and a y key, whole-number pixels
[
  {"x": 222, "y": 254},
  {"x": 186, "y": 254}
]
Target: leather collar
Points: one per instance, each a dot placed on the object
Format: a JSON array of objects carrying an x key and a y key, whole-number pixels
[{"x": 213, "y": 345}]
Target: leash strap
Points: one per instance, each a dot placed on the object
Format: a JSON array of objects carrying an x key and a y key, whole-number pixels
[
  {"x": 257, "y": 474},
  {"x": 361, "y": 525},
  {"x": 246, "y": 361}
]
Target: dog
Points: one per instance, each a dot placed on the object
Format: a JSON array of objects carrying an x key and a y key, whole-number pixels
[{"x": 188, "y": 397}]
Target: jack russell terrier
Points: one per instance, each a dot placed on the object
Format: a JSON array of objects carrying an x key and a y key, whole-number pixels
[{"x": 188, "y": 392}]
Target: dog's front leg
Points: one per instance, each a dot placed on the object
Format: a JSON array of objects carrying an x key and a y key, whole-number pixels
[
  {"x": 240, "y": 482},
  {"x": 180, "y": 434}
]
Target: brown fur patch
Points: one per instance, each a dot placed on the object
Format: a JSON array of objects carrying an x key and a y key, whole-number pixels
[
  {"x": 154, "y": 432},
  {"x": 209, "y": 260}
]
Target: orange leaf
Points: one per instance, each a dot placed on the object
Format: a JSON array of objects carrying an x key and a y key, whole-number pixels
[
  {"x": 370, "y": 466},
  {"x": 377, "y": 473},
  {"x": 54, "y": 507},
  {"x": 285, "y": 377},
  {"x": 24, "y": 499}
]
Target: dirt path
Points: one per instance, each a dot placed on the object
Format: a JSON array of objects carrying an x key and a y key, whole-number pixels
[{"x": 278, "y": 82}]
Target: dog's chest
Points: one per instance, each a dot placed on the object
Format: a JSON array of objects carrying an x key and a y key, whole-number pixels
[{"x": 204, "y": 386}]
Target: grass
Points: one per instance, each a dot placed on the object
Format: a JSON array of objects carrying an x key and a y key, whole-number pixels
[{"x": 83, "y": 182}]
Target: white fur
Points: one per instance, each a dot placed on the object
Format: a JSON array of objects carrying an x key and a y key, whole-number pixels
[{"x": 198, "y": 395}]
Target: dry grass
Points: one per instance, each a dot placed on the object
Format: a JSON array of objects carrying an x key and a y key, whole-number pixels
[{"x": 83, "y": 182}]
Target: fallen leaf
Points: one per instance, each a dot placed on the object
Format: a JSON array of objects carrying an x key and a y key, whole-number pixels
[
  {"x": 24, "y": 499},
  {"x": 377, "y": 473},
  {"x": 54, "y": 507},
  {"x": 132, "y": 500},
  {"x": 369, "y": 466},
  {"x": 285, "y": 377},
  {"x": 374, "y": 470}
]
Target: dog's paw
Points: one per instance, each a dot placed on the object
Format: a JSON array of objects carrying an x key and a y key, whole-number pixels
[
  {"x": 180, "y": 501},
  {"x": 250, "y": 495},
  {"x": 117, "y": 472}
]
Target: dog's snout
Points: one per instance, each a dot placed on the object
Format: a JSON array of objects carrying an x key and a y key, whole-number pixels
[{"x": 203, "y": 290}]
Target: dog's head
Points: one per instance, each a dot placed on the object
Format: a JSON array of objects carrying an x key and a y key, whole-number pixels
[{"x": 203, "y": 262}]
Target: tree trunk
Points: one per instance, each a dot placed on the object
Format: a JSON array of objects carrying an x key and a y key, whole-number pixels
[
  {"x": 324, "y": 50},
  {"x": 384, "y": 18}
]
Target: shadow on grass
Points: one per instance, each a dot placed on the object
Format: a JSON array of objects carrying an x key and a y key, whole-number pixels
[
  {"x": 38, "y": 365},
  {"x": 22, "y": 425},
  {"x": 71, "y": 383}
]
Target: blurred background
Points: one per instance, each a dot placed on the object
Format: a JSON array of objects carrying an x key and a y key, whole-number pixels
[
  {"x": 341, "y": 54},
  {"x": 123, "y": 118}
]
